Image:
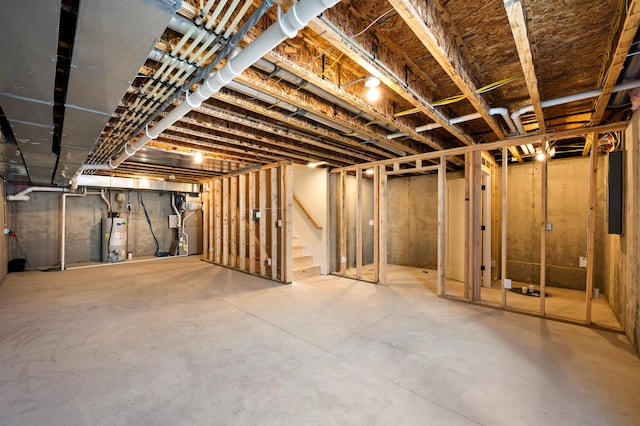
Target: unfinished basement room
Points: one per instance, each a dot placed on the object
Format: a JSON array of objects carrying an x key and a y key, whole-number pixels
[{"x": 320, "y": 212}]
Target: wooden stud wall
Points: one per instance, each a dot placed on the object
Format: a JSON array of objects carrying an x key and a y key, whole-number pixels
[{"x": 248, "y": 221}]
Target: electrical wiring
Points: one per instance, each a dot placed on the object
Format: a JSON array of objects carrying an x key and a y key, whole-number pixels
[
  {"x": 146, "y": 214},
  {"x": 483, "y": 89},
  {"x": 373, "y": 23}
]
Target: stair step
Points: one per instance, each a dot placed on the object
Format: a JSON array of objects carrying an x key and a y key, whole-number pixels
[
  {"x": 306, "y": 272},
  {"x": 300, "y": 261},
  {"x": 298, "y": 250}
]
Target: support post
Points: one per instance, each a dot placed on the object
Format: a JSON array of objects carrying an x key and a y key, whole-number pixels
[
  {"x": 233, "y": 235},
  {"x": 343, "y": 224},
  {"x": 217, "y": 215}
]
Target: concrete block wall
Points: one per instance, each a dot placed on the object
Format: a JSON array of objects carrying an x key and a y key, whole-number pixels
[{"x": 37, "y": 223}]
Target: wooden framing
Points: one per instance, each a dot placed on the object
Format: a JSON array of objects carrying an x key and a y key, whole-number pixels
[
  {"x": 262, "y": 221},
  {"x": 251, "y": 238},
  {"x": 442, "y": 226},
  {"x": 518, "y": 21},
  {"x": 427, "y": 24},
  {"x": 217, "y": 220},
  {"x": 342, "y": 237},
  {"x": 543, "y": 227},
  {"x": 273, "y": 174},
  {"x": 503, "y": 216},
  {"x": 475, "y": 224},
  {"x": 359, "y": 224},
  {"x": 243, "y": 225},
  {"x": 225, "y": 222},
  {"x": 381, "y": 231},
  {"x": 591, "y": 228},
  {"x": 233, "y": 220},
  {"x": 629, "y": 29},
  {"x": 307, "y": 212}
]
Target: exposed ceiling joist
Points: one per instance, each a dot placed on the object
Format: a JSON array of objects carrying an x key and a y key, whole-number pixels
[
  {"x": 518, "y": 22},
  {"x": 427, "y": 24},
  {"x": 627, "y": 34},
  {"x": 333, "y": 28},
  {"x": 307, "y": 103}
]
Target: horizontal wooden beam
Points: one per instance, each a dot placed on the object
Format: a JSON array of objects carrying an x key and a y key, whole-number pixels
[
  {"x": 629, "y": 29},
  {"x": 567, "y": 134},
  {"x": 333, "y": 26},
  {"x": 427, "y": 24}
]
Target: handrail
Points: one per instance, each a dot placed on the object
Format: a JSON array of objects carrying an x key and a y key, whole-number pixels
[{"x": 307, "y": 212}]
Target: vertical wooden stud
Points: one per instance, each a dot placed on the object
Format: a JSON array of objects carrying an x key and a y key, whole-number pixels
[
  {"x": 543, "y": 226},
  {"x": 252, "y": 223},
  {"x": 376, "y": 222},
  {"x": 205, "y": 220},
  {"x": 225, "y": 221},
  {"x": 476, "y": 225},
  {"x": 468, "y": 264},
  {"x": 217, "y": 251},
  {"x": 242, "y": 225},
  {"x": 503, "y": 217},
  {"x": 382, "y": 217},
  {"x": 442, "y": 226},
  {"x": 343, "y": 223},
  {"x": 233, "y": 218},
  {"x": 591, "y": 230},
  {"x": 287, "y": 172},
  {"x": 274, "y": 222},
  {"x": 211, "y": 221},
  {"x": 262, "y": 221},
  {"x": 359, "y": 223}
]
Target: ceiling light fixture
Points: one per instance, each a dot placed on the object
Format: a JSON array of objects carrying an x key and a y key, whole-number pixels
[
  {"x": 372, "y": 81},
  {"x": 368, "y": 172},
  {"x": 540, "y": 155},
  {"x": 373, "y": 94},
  {"x": 319, "y": 163},
  {"x": 197, "y": 158}
]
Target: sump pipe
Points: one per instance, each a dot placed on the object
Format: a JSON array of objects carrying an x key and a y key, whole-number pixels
[
  {"x": 286, "y": 26},
  {"x": 515, "y": 116}
]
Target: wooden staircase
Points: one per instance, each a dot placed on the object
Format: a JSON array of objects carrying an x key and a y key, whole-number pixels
[{"x": 303, "y": 266}]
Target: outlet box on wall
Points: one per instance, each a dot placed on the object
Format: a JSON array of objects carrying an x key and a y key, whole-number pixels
[{"x": 582, "y": 262}]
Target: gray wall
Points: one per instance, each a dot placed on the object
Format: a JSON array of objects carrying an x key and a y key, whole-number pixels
[
  {"x": 37, "y": 223},
  {"x": 4, "y": 241},
  {"x": 567, "y": 210},
  {"x": 621, "y": 266},
  {"x": 412, "y": 234}
]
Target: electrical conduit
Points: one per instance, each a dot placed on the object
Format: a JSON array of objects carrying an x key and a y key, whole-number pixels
[{"x": 286, "y": 26}]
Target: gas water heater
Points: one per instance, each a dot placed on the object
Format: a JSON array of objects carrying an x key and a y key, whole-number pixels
[{"x": 114, "y": 239}]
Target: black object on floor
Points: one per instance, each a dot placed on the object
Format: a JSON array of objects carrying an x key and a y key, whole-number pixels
[
  {"x": 534, "y": 293},
  {"x": 16, "y": 265}
]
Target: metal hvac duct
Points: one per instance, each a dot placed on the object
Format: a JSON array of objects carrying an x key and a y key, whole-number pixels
[
  {"x": 112, "y": 41},
  {"x": 29, "y": 34}
]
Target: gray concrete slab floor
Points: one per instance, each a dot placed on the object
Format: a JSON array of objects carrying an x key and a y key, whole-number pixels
[{"x": 184, "y": 342}]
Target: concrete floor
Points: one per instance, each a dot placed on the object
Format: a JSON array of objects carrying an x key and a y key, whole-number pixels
[{"x": 183, "y": 342}]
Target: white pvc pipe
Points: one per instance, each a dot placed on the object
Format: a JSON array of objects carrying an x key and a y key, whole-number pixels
[
  {"x": 476, "y": 115},
  {"x": 286, "y": 26},
  {"x": 22, "y": 195},
  {"x": 515, "y": 116}
]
